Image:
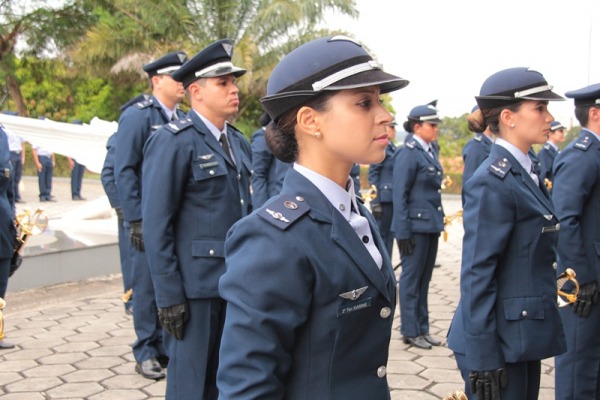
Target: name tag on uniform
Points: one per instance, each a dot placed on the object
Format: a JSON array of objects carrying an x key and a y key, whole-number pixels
[
  {"x": 350, "y": 308},
  {"x": 209, "y": 164},
  {"x": 550, "y": 229}
]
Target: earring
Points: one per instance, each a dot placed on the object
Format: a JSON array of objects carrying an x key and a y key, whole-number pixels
[
  {"x": 318, "y": 135},
  {"x": 513, "y": 125}
]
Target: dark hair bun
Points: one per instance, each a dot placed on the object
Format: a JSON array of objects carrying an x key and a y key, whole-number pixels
[{"x": 476, "y": 121}]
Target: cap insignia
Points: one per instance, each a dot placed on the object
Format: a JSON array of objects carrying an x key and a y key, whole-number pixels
[{"x": 228, "y": 48}]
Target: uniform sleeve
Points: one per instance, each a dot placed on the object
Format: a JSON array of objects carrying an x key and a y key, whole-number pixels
[
  {"x": 128, "y": 159},
  {"x": 107, "y": 175},
  {"x": 268, "y": 293},
  {"x": 405, "y": 171},
  {"x": 262, "y": 158},
  {"x": 574, "y": 179},
  {"x": 545, "y": 164},
  {"x": 489, "y": 215},
  {"x": 165, "y": 173}
]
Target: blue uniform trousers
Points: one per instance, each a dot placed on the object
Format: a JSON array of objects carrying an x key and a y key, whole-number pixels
[
  {"x": 523, "y": 379},
  {"x": 149, "y": 332},
  {"x": 385, "y": 226},
  {"x": 417, "y": 269},
  {"x": 193, "y": 361},
  {"x": 76, "y": 178},
  {"x": 125, "y": 256},
  {"x": 17, "y": 165},
  {"x": 577, "y": 374},
  {"x": 45, "y": 177},
  {"x": 4, "y": 271}
]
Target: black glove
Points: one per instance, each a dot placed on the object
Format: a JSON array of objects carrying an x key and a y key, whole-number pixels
[
  {"x": 487, "y": 384},
  {"x": 173, "y": 319},
  {"x": 376, "y": 210},
  {"x": 406, "y": 246},
  {"x": 135, "y": 234},
  {"x": 15, "y": 263},
  {"x": 588, "y": 296},
  {"x": 120, "y": 215}
]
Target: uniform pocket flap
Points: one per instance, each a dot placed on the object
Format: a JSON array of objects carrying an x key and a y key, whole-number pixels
[
  {"x": 520, "y": 308},
  {"x": 208, "y": 248},
  {"x": 418, "y": 213}
]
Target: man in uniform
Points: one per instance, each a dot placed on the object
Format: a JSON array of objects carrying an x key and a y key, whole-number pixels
[
  {"x": 196, "y": 185},
  {"x": 136, "y": 124},
  {"x": 549, "y": 151},
  {"x": 576, "y": 195},
  {"x": 44, "y": 162},
  {"x": 381, "y": 176},
  {"x": 16, "y": 145},
  {"x": 267, "y": 171}
]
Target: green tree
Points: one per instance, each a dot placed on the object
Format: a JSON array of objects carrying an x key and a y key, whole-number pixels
[
  {"x": 39, "y": 30},
  {"x": 129, "y": 33}
]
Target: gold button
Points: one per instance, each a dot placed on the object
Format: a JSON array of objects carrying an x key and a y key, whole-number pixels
[
  {"x": 381, "y": 371},
  {"x": 385, "y": 312}
]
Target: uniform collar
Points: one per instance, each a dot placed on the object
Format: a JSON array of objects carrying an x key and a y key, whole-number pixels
[
  {"x": 211, "y": 127},
  {"x": 169, "y": 113},
  {"x": 592, "y": 132},
  {"x": 341, "y": 199},
  {"x": 555, "y": 147},
  {"x": 522, "y": 158},
  {"x": 422, "y": 143}
]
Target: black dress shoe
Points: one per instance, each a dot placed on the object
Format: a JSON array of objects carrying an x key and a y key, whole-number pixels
[
  {"x": 431, "y": 340},
  {"x": 417, "y": 341},
  {"x": 77, "y": 198},
  {"x": 163, "y": 360},
  {"x": 150, "y": 369},
  {"x": 20, "y": 201}
]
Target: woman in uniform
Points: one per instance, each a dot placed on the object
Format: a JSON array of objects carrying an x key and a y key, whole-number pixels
[
  {"x": 310, "y": 296},
  {"x": 417, "y": 221},
  {"x": 478, "y": 148},
  {"x": 507, "y": 319}
]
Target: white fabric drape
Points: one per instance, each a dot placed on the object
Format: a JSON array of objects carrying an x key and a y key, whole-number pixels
[{"x": 86, "y": 143}]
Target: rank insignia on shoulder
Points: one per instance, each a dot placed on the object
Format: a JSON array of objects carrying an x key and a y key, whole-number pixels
[
  {"x": 478, "y": 138},
  {"x": 284, "y": 211},
  {"x": 354, "y": 294},
  {"x": 547, "y": 146},
  {"x": 411, "y": 144},
  {"x": 140, "y": 105},
  {"x": 500, "y": 167},
  {"x": 583, "y": 143},
  {"x": 179, "y": 125}
]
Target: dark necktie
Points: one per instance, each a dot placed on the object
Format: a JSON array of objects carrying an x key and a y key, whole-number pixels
[{"x": 225, "y": 144}]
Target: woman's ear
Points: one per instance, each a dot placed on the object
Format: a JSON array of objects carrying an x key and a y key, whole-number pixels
[
  {"x": 307, "y": 119},
  {"x": 507, "y": 118}
]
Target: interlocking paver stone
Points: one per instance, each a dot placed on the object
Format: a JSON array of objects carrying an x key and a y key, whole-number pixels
[{"x": 80, "y": 347}]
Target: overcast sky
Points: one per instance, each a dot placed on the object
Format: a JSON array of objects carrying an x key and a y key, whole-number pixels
[{"x": 447, "y": 48}]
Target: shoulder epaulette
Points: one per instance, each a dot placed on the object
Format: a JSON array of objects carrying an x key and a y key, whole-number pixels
[
  {"x": 547, "y": 146},
  {"x": 411, "y": 144},
  {"x": 478, "y": 138},
  {"x": 143, "y": 104},
  {"x": 177, "y": 126},
  {"x": 500, "y": 168},
  {"x": 583, "y": 143},
  {"x": 283, "y": 211}
]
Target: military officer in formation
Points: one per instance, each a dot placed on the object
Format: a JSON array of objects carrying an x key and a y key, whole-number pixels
[
  {"x": 136, "y": 124},
  {"x": 418, "y": 221},
  {"x": 507, "y": 319},
  {"x": 381, "y": 176},
  {"x": 45, "y": 161},
  {"x": 8, "y": 232},
  {"x": 310, "y": 293},
  {"x": 196, "y": 185},
  {"x": 267, "y": 171},
  {"x": 16, "y": 145},
  {"x": 549, "y": 151},
  {"x": 477, "y": 149},
  {"x": 576, "y": 196}
]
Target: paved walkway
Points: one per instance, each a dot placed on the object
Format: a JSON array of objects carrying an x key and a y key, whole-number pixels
[{"x": 73, "y": 340}]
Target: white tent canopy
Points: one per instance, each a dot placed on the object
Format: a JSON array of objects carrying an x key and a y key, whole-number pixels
[{"x": 86, "y": 143}]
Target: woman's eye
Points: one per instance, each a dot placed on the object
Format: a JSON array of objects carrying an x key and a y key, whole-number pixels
[{"x": 365, "y": 103}]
